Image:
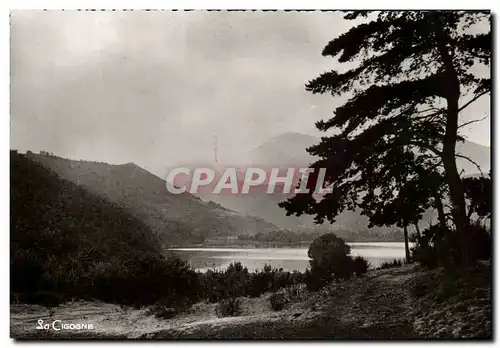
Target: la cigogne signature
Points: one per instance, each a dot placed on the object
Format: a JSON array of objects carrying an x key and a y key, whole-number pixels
[{"x": 58, "y": 325}]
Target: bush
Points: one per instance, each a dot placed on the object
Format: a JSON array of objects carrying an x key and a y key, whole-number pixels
[
  {"x": 167, "y": 279},
  {"x": 232, "y": 282},
  {"x": 162, "y": 311},
  {"x": 46, "y": 298},
  {"x": 388, "y": 264},
  {"x": 426, "y": 256},
  {"x": 481, "y": 241},
  {"x": 439, "y": 246},
  {"x": 278, "y": 301},
  {"x": 262, "y": 281},
  {"x": 329, "y": 259},
  {"x": 359, "y": 266},
  {"x": 330, "y": 253},
  {"x": 296, "y": 293},
  {"x": 428, "y": 248},
  {"x": 316, "y": 278},
  {"x": 229, "y": 307},
  {"x": 236, "y": 281}
]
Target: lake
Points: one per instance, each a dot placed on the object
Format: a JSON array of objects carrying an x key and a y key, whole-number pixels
[{"x": 289, "y": 259}]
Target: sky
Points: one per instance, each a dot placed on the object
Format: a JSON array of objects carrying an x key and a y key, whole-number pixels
[{"x": 156, "y": 88}]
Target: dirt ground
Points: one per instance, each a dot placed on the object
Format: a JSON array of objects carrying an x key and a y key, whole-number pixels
[{"x": 398, "y": 303}]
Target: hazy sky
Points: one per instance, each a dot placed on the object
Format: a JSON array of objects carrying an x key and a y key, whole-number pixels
[{"x": 153, "y": 87}]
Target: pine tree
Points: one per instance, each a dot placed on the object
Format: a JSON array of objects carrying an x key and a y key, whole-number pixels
[{"x": 413, "y": 78}]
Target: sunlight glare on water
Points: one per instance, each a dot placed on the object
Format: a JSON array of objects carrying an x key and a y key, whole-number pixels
[{"x": 289, "y": 259}]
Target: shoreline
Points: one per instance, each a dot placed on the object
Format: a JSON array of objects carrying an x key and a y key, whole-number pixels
[{"x": 305, "y": 245}]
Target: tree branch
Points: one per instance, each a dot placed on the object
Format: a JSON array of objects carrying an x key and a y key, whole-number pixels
[
  {"x": 471, "y": 161},
  {"x": 425, "y": 146},
  {"x": 473, "y": 121},
  {"x": 473, "y": 100}
]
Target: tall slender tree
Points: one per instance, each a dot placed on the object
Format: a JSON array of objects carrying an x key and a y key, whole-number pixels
[{"x": 414, "y": 75}]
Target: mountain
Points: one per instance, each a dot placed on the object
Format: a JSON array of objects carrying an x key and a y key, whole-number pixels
[
  {"x": 285, "y": 149},
  {"x": 288, "y": 150},
  {"x": 176, "y": 218},
  {"x": 478, "y": 153}
]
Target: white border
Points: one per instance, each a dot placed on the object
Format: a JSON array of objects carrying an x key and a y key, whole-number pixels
[
  {"x": 177, "y": 4},
  {"x": 247, "y": 4}
]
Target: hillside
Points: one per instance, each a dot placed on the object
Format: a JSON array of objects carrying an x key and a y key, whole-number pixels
[
  {"x": 177, "y": 219},
  {"x": 60, "y": 233}
]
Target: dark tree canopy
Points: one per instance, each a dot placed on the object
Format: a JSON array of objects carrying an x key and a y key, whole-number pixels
[{"x": 393, "y": 153}]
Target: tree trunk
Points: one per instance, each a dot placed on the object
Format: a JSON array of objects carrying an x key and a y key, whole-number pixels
[
  {"x": 458, "y": 209},
  {"x": 440, "y": 209},
  {"x": 407, "y": 247},
  {"x": 417, "y": 229},
  {"x": 451, "y": 91}
]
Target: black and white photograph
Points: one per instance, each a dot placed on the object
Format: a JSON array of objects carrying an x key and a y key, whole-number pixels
[{"x": 250, "y": 175}]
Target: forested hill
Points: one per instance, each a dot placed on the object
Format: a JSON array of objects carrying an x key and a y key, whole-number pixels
[
  {"x": 177, "y": 219},
  {"x": 60, "y": 232},
  {"x": 43, "y": 204}
]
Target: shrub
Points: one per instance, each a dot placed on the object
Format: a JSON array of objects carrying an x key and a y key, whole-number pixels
[
  {"x": 229, "y": 307},
  {"x": 296, "y": 293},
  {"x": 168, "y": 279},
  {"x": 237, "y": 281},
  {"x": 46, "y": 298},
  {"x": 329, "y": 252},
  {"x": 428, "y": 246},
  {"x": 481, "y": 241},
  {"x": 425, "y": 256},
  {"x": 261, "y": 281},
  {"x": 441, "y": 246},
  {"x": 278, "y": 301},
  {"x": 329, "y": 259},
  {"x": 232, "y": 282},
  {"x": 359, "y": 265},
  {"x": 316, "y": 278},
  {"x": 391, "y": 264},
  {"x": 162, "y": 311}
]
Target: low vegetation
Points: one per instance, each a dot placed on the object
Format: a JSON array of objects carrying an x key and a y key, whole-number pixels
[
  {"x": 391, "y": 264},
  {"x": 330, "y": 259},
  {"x": 229, "y": 307},
  {"x": 440, "y": 246},
  {"x": 278, "y": 301}
]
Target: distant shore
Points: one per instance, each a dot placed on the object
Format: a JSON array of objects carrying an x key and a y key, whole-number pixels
[{"x": 261, "y": 245}]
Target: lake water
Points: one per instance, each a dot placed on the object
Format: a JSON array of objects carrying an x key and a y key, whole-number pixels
[{"x": 288, "y": 258}]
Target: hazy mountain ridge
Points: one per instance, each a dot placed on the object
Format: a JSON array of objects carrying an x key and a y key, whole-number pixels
[
  {"x": 178, "y": 219},
  {"x": 288, "y": 147},
  {"x": 289, "y": 150},
  {"x": 284, "y": 149}
]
